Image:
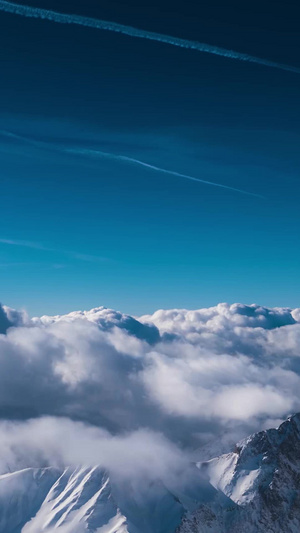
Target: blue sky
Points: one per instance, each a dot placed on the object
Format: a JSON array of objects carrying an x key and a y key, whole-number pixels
[{"x": 80, "y": 231}]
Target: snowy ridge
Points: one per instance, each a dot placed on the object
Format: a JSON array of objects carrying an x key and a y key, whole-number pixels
[
  {"x": 21, "y": 495},
  {"x": 254, "y": 489},
  {"x": 69, "y": 501},
  {"x": 262, "y": 478},
  {"x": 86, "y": 500},
  {"x": 80, "y": 500}
]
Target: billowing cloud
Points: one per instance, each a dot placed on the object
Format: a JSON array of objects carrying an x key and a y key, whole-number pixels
[
  {"x": 162, "y": 384},
  {"x": 11, "y": 317},
  {"x": 60, "y": 441}
]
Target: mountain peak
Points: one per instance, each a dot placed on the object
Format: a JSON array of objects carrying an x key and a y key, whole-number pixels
[
  {"x": 262, "y": 478},
  {"x": 254, "y": 489}
]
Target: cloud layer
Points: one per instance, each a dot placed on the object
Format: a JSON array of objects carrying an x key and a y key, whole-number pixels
[{"x": 133, "y": 392}]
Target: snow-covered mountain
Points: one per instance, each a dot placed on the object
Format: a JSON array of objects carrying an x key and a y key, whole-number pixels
[
  {"x": 87, "y": 500},
  {"x": 254, "y": 489},
  {"x": 262, "y": 479}
]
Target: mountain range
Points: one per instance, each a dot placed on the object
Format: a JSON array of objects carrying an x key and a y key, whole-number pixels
[{"x": 254, "y": 488}]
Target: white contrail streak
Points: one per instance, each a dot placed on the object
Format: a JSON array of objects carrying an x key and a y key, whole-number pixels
[
  {"x": 117, "y": 157},
  {"x": 97, "y": 153},
  {"x": 63, "y": 18}
]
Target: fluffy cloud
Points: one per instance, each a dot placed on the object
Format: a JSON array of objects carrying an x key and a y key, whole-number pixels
[
  {"x": 145, "y": 384},
  {"x": 60, "y": 441},
  {"x": 106, "y": 319},
  {"x": 11, "y": 317}
]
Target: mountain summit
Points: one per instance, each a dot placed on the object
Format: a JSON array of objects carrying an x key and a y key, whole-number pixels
[{"x": 262, "y": 478}]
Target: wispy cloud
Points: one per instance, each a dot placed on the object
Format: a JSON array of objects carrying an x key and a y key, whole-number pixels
[
  {"x": 64, "y": 18},
  {"x": 26, "y": 244},
  {"x": 27, "y": 264},
  {"x": 37, "y": 246},
  {"x": 99, "y": 154},
  {"x": 126, "y": 159}
]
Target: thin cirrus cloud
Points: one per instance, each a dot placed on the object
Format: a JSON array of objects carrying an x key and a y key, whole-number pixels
[
  {"x": 37, "y": 246},
  {"x": 64, "y": 18},
  {"x": 126, "y": 159},
  {"x": 99, "y": 154}
]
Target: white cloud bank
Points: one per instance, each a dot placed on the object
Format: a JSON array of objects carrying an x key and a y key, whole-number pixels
[{"x": 139, "y": 394}]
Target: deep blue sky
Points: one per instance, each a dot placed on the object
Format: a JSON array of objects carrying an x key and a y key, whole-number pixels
[{"x": 104, "y": 232}]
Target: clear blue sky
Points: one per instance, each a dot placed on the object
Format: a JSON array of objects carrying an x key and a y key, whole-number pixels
[{"x": 80, "y": 231}]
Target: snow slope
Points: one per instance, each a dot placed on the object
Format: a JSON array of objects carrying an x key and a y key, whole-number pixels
[
  {"x": 254, "y": 489},
  {"x": 86, "y": 500},
  {"x": 262, "y": 477}
]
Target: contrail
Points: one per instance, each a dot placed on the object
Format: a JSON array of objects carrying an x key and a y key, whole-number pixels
[
  {"x": 98, "y": 153},
  {"x": 64, "y": 18},
  {"x": 108, "y": 155}
]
